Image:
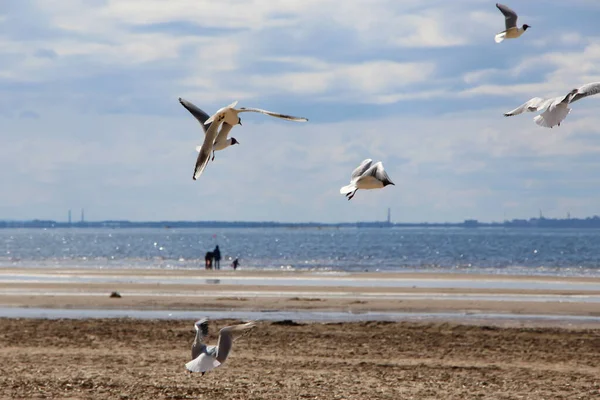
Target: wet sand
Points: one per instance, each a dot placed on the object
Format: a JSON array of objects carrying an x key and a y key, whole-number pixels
[
  {"x": 135, "y": 359},
  {"x": 214, "y": 294}
]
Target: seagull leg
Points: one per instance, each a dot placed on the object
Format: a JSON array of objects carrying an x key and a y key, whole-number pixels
[
  {"x": 213, "y": 157},
  {"x": 351, "y": 195}
]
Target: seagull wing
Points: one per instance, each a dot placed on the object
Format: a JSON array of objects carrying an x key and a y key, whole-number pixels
[
  {"x": 273, "y": 114},
  {"x": 509, "y": 15},
  {"x": 552, "y": 116},
  {"x": 198, "y": 347},
  {"x": 378, "y": 172},
  {"x": 358, "y": 171},
  {"x": 202, "y": 326},
  {"x": 225, "y": 342},
  {"x": 589, "y": 89},
  {"x": 532, "y": 105},
  {"x": 207, "y": 145},
  {"x": 200, "y": 115},
  {"x": 225, "y": 129}
]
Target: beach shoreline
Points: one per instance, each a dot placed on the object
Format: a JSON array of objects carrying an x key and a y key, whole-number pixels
[
  {"x": 493, "y": 337},
  {"x": 287, "y": 291}
]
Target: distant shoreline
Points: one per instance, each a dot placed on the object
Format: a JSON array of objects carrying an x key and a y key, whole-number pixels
[{"x": 568, "y": 223}]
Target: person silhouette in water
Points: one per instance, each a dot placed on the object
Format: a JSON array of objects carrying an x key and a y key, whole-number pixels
[{"x": 217, "y": 257}]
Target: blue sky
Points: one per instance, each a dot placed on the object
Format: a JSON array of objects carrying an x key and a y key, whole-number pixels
[{"x": 89, "y": 114}]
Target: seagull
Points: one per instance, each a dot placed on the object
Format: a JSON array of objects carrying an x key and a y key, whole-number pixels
[
  {"x": 232, "y": 118},
  {"x": 511, "y": 32},
  {"x": 221, "y": 142},
  {"x": 210, "y": 137},
  {"x": 226, "y": 118},
  {"x": 205, "y": 358},
  {"x": 555, "y": 109},
  {"x": 367, "y": 176}
]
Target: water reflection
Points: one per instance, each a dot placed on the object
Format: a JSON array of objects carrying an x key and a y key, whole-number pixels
[{"x": 304, "y": 316}]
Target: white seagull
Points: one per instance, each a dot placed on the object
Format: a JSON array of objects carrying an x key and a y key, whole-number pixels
[
  {"x": 511, "y": 32},
  {"x": 222, "y": 141},
  {"x": 232, "y": 118},
  {"x": 226, "y": 118},
  {"x": 205, "y": 358},
  {"x": 210, "y": 137},
  {"x": 366, "y": 176},
  {"x": 555, "y": 109}
]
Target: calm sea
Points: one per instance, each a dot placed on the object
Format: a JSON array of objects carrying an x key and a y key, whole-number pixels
[{"x": 526, "y": 251}]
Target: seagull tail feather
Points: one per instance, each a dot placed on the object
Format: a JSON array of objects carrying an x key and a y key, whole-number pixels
[
  {"x": 202, "y": 363},
  {"x": 348, "y": 189},
  {"x": 548, "y": 120}
]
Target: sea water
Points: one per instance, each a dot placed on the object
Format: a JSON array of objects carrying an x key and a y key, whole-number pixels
[{"x": 560, "y": 252}]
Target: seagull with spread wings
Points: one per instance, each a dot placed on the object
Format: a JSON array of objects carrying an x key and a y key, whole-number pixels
[
  {"x": 205, "y": 358},
  {"x": 510, "y": 20},
  {"x": 221, "y": 141},
  {"x": 225, "y": 118},
  {"x": 555, "y": 109}
]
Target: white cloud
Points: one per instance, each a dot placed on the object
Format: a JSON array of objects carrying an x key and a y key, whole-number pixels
[
  {"x": 559, "y": 73},
  {"x": 368, "y": 82},
  {"x": 450, "y": 151}
]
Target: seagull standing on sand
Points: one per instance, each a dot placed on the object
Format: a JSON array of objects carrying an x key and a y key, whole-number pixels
[
  {"x": 511, "y": 32},
  {"x": 221, "y": 142},
  {"x": 555, "y": 109},
  {"x": 205, "y": 358},
  {"x": 366, "y": 176}
]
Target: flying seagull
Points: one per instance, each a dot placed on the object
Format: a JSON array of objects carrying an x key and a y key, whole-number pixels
[
  {"x": 555, "y": 109},
  {"x": 511, "y": 32},
  {"x": 221, "y": 142},
  {"x": 210, "y": 137},
  {"x": 232, "y": 118},
  {"x": 366, "y": 176},
  {"x": 226, "y": 118},
  {"x": 205, "y": 358}
]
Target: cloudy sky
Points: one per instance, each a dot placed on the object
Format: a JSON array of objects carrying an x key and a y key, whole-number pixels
[{"x": 89, "y": 115}]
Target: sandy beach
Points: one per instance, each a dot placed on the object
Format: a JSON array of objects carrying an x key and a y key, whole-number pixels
[
  {"x": 135, "y": 359},
  {"x": 128, "y": 358}
]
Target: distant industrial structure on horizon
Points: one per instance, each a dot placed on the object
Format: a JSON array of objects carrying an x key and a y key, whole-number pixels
[{"x": 541, "y": 222}]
